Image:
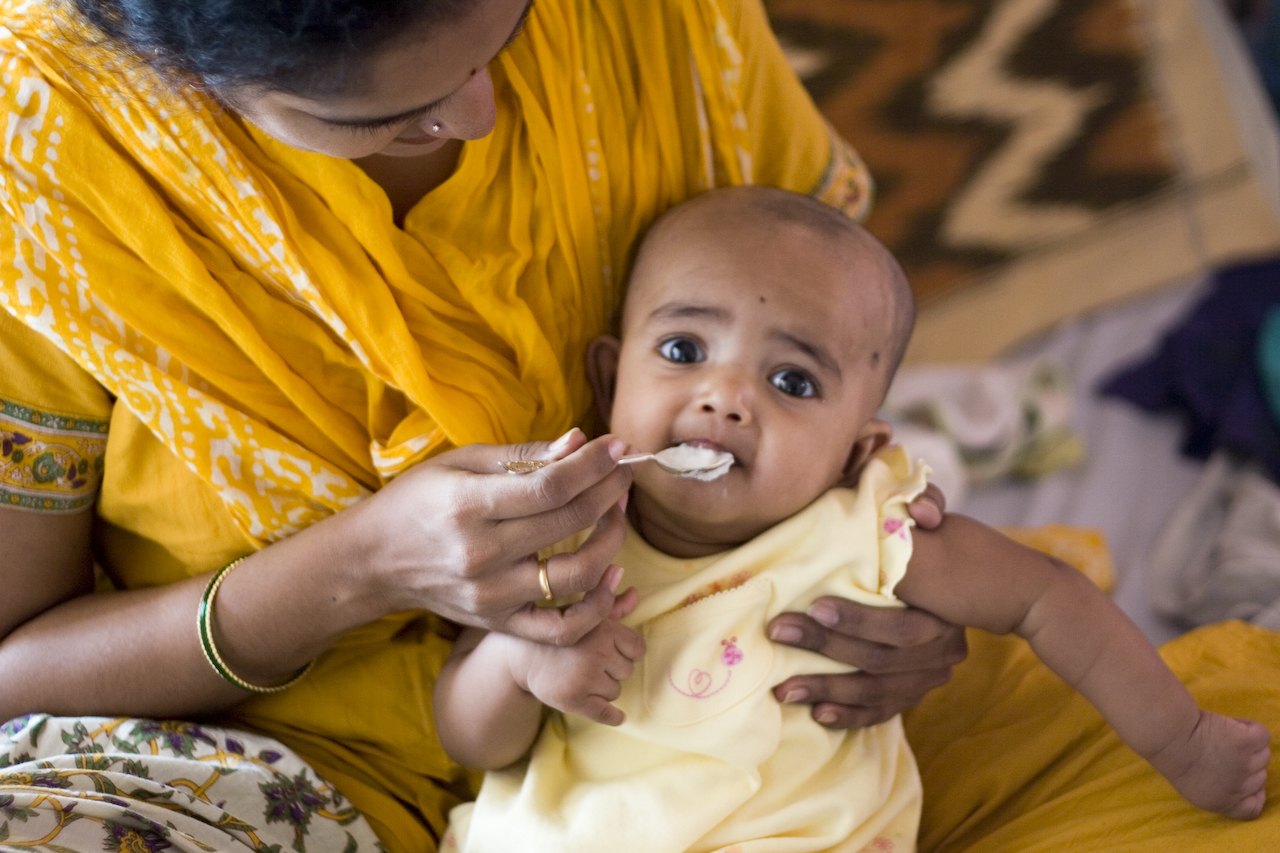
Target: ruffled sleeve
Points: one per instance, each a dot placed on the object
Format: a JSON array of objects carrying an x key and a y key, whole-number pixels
[{"x": 894, "y": 481}]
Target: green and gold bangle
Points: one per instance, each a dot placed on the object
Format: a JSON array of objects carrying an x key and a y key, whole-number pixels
[{"x": 204, "y": 622}]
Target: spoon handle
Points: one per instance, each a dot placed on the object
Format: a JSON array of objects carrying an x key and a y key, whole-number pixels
[
  {"x": 521, "y": 466},
  {"x": 636, "y": 457}
]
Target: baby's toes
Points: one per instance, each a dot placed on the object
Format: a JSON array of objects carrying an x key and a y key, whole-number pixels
[{"x": 1249, "y": 807}]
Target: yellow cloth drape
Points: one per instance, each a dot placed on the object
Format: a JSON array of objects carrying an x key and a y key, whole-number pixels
[{"x": 277, "y": 348}]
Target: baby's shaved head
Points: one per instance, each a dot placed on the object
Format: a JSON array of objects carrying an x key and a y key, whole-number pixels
[{"x": 769, "y": 208}]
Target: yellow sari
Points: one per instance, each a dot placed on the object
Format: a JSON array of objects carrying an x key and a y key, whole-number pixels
[{"x": 252, "y": 345}]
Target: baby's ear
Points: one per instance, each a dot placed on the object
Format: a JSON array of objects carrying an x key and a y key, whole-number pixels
[
  {"x": 602, "y": 372},
  {"x": 871, "y": 439}
]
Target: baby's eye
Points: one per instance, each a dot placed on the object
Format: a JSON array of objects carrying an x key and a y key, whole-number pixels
[
  {"x": 794, "y": 382},
  {"x": 680, "y": 350}
]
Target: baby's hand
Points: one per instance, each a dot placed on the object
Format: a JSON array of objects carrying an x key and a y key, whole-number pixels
[
  {"x": 585, "y": 677},
  {"x": 1222, "y": 767}
]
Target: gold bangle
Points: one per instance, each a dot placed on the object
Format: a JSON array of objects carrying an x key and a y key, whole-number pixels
[
  {"x": 204, "y": 623},
  {"x": 544, "y": 581}
]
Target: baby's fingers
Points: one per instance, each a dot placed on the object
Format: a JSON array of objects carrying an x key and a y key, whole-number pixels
[
  {"x": 629, "y": 643},
  {"x": 596, "y": 708}
]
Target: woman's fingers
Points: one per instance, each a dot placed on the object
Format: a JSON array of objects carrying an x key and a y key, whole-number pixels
[
  {"x": 488, "y": 458},
  {"x": 579, "y": 571},
  {"x": 565, "y": 626},
  {"x": 856, "y": 699},
  {"x": 902, "y": 654},
  {"x": 498, "y": 495},
  {"x": 880, "y": 639}
]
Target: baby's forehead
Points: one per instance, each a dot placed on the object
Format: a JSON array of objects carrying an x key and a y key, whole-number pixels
[{"x": 836, "y": 266}]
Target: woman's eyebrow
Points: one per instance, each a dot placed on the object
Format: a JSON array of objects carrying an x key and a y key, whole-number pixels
[{"x": 417, "y": 112}]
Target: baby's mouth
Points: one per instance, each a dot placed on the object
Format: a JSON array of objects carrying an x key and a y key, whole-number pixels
[{"x": 713, "y": 445}]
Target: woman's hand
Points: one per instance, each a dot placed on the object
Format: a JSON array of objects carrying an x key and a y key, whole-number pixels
[
  {"x": 457, "y": 535},
  {"x": 901, "y": 653}
]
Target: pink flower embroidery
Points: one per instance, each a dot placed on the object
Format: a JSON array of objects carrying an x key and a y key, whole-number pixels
[
  {"x": 895, "y": 525},
  {"x": 732, "y": 655}
]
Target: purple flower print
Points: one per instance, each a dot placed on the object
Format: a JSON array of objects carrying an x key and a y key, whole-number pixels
[
  {"x": 293, "y": 801},
  {"x": 128, "y": 839}
]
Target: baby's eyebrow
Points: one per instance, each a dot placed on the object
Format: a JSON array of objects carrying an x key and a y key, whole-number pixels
[
  {"x": 685, "y": 310},
  {"x": 814, "y": 351}
]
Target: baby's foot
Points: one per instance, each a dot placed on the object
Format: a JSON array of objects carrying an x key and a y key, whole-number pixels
[{"x": 1222, "y": 766}]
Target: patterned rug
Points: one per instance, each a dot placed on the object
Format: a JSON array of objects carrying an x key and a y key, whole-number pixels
[{"x": 992, "y": 126}]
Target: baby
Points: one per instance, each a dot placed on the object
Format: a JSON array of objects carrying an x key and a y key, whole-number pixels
[{"x": 764, "y": 324}]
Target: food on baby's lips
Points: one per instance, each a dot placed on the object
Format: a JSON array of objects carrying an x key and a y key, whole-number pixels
[{"x": 701, "y": 463}]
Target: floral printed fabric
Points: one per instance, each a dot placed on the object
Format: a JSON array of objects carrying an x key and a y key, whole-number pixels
[{"x": 143, "y": 786}]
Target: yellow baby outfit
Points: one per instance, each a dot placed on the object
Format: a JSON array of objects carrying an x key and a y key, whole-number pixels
[{"x": 708, "y": 759}]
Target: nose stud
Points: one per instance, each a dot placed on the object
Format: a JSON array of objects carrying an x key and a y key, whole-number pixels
[{"x": 435, "y": 128}]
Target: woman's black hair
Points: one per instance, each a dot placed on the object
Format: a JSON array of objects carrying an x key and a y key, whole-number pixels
[{"x": 304, "y": 47}]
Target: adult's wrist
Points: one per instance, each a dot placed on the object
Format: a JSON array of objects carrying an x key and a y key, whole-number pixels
[{"x": 363, "y": 559}]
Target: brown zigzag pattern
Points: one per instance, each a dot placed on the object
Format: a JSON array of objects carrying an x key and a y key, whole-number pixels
[{"x": 876, "y": 68}]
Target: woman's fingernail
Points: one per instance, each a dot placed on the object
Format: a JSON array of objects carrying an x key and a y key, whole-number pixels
[
  {"x": 617, "y": 448},
  {"x": 615, "y": 578},
  {"x": 824, "y": 614},
  {"x": 796, "y": 694},
  {"x": 786, "y": 634},
  {"x": 563, "y": 441},
  {"x": 622, "y": 502},
  {"x": 826, "y": 717}
]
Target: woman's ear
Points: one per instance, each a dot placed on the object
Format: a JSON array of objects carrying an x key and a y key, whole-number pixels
[
  {"x": 871, "y": 439},
  {"x": 602, "y": 372}
]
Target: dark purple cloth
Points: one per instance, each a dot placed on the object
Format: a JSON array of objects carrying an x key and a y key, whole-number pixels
[{"x": 1206, "y": 368}]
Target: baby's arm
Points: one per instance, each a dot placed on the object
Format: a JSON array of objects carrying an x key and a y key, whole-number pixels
[
  {"x": 969, "y": 574},
  {"x": 489, "y": 697}
]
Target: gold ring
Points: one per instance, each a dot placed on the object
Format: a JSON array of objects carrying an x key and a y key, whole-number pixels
[{"x": 544, "y": 581}]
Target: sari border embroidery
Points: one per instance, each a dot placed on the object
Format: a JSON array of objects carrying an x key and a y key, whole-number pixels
[
  {"x": 846, "y": 183},
  {"x": 49, "y": 462}
]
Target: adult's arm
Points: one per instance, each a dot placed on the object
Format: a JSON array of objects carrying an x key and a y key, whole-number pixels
[{"x": 446, "y": 536}]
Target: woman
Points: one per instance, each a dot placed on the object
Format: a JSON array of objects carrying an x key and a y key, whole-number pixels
[
  {"x": 266, "y": 281},
  {"x": 253, "y": 277}
]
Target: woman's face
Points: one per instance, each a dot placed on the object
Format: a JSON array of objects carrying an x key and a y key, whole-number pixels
[{"x": 438, "y": 80}]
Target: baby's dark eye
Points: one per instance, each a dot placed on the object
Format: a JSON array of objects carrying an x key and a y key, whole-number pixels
[
  {"x": 794, "y": 382},
  {"x": 681, "y": 351}
]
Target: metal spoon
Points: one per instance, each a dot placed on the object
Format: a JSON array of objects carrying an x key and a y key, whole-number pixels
[{"x": 719, "y": 464}]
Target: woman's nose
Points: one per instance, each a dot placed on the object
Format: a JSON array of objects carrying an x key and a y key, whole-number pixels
[{"x": 472, "y": 112}]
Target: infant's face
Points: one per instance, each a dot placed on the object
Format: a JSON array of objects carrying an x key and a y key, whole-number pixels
[{"x": 761, "y": 342}]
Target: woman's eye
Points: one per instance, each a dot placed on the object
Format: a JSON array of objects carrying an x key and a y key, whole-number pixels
[
  {"x": 681, "y": 351},
  {"x": 795, "y": 383}
]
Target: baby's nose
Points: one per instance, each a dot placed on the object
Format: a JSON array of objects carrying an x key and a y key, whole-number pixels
[
  {"x": 728, "y": 398},
  {"x": 728, "y": 412}
]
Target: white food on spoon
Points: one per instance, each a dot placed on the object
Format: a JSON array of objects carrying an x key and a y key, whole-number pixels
[{"x": 701, "y": 463}]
